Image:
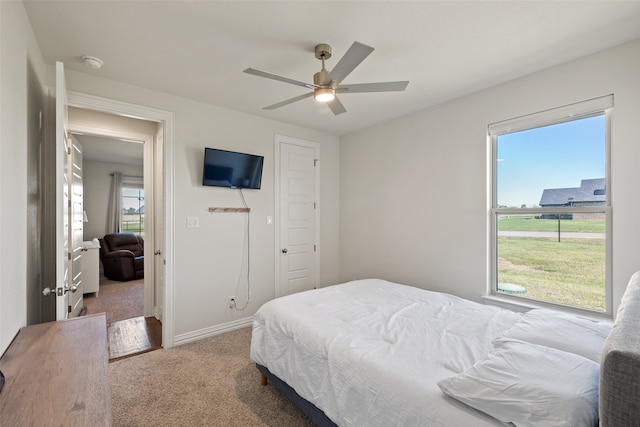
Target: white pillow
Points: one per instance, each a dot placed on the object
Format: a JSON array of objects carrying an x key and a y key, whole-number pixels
[
  {"x": 561, "y": 331},
  {"x": 530, "y": 385}
]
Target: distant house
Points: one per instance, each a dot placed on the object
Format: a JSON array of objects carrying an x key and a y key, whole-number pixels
[
  {"x": 131, "y": 211},
  {"x": 592, "y": 192}
]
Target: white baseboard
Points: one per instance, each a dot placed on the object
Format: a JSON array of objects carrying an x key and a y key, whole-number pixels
[{"x": 209, "y": 332}]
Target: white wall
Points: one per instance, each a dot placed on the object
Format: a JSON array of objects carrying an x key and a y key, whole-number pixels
[
  {"x": 21, "y": 67},
  {"x": 208, "y": 259},
  {"x": 97, "y": 188},
  {"x": 414, "y": 190},
  {"x": 104, "y": 122}
]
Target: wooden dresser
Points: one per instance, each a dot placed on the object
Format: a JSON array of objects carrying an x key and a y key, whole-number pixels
[{"x": 57, "y": 374}]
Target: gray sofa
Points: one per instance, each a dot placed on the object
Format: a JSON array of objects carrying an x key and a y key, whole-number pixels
[{"x": 620, "y": 365}]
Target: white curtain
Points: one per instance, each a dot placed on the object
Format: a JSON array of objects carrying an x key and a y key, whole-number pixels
[{"x": 115, "y": 204}]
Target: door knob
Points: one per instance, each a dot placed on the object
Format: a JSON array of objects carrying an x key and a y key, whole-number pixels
[
  {"x": 47, "y": 291},
  {"x": 158, "y": 252},
  {"x": 284, "y": 251}
]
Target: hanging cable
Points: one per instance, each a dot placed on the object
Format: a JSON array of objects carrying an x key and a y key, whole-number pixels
[{"x": 248, "y": 217}]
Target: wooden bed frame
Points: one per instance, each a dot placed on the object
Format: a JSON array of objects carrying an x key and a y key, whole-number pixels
[{"x": 619, "y": 400}]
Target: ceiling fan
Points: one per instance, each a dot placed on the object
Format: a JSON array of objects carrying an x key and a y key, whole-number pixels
[{"x": 326, "y": 85}]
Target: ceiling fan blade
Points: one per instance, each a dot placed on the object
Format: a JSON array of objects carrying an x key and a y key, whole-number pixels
[
  {"x": 279, "y": 78},
  {"x": 374, "y": 87},
  {"x": 336, "y": 106},
  {"x": 354, "y": 56},
  {"x": 288, "y": 101}
]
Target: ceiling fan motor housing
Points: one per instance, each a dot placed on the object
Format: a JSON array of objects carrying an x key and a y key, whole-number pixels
[{"x": 320, "y": 77}]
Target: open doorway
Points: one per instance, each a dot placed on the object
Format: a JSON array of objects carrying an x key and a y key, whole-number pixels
[{"x": 120, "y": 222}]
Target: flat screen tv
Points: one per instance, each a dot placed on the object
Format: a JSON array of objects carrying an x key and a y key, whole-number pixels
[{"x": 231, "y": 169}]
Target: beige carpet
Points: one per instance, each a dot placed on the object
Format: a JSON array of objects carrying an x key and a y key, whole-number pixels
[
  {"x": 119, "y": 300},
  {"x": 211, "y": 382}
]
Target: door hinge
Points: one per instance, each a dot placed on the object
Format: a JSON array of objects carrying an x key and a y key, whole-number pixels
[
  {"x": 314, "y": 205},
  {"x": 314, "y": 248},
  {"x": 315, "y": 162},
  {"x": 69, "y": 309},
  {"x": 69, "y": 256}
]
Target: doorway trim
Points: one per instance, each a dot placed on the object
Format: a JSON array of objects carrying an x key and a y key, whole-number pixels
[
  {"x": 148, "y": 141},
  {"x": 278, "y": 141},
  {"x": 120, "y": 108}
]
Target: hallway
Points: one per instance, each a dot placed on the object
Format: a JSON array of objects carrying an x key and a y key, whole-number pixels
[{"x": 128, "y": 331}]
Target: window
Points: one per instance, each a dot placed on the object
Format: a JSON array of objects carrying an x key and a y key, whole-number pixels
[
  {"x": 550, "y": 206},
  {"x": 132, "y": 218}
]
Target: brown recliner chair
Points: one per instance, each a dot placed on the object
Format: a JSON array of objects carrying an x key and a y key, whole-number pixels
[{"x": 122, "y": 256}]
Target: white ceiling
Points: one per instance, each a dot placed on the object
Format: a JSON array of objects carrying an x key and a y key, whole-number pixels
[
  {"x": 111, "y": 150},
  {"x": 446, "y": 49}
]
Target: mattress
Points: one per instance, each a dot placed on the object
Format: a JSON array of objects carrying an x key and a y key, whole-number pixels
[{"x": 371, "y": 352}]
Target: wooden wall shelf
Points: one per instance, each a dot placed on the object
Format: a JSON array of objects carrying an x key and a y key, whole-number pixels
[{"x": 229, "y": 210}]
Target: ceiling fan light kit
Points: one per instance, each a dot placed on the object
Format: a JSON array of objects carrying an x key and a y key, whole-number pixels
[
  {"x": 324, "y": 94},
  {"x": 327, "y": 83}
]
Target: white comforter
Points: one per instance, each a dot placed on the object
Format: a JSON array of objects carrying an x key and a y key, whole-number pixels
[{"x": 370, "y": 352}]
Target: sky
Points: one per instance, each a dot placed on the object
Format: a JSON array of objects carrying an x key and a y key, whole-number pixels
[
  {"x": 557, "y": 156},
  {"x": 130, "y": 198}
]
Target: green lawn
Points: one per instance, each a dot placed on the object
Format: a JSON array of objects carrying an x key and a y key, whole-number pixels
[
  {"x": 569, "y": 272},
  {"x": 132, "y": 227},
  {"x": 531, "y": 223}
]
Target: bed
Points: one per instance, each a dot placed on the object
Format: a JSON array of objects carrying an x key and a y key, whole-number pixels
[{"x": 376, "y": 353}]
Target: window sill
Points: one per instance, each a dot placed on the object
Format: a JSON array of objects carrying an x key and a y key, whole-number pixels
[
  {"x": 507, "y": 303},
  {"x": 517, "y": 305}
]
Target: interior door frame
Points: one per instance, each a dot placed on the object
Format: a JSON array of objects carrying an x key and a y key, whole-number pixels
[
  {"x": 147, "y": 141},
  {"x": 278, "y": 141},
  {"x": 166, "y": 118}
]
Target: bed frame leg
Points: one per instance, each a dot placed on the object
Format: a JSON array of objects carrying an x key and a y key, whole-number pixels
[{"x": 263, "y": 379}]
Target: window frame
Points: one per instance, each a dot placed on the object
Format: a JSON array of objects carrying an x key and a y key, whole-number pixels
[
  {"x": 580, "y": 110},
  {"x": 132, "y": 183}
]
